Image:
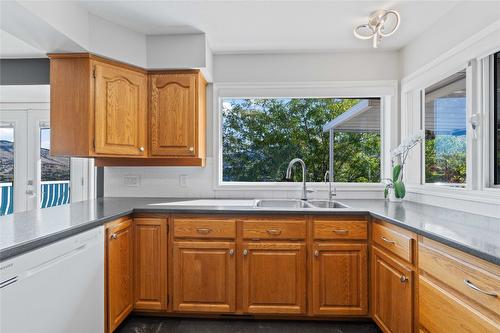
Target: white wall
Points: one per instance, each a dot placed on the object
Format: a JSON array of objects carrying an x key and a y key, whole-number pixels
[
  {"x": 116, "y": 42},
  {"x": 464, "y": 20},
  {"x": 307, "y": 67},
  {"x": 314, "y": 67}
]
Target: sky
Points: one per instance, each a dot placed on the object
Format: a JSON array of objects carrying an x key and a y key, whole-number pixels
[{"x": 7, "y": 134}]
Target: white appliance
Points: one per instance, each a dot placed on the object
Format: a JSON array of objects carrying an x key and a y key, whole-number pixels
[{"x": 57, "y": 288}]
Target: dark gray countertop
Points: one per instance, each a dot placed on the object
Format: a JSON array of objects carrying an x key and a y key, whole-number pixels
[{"x": 22, "y": 232}]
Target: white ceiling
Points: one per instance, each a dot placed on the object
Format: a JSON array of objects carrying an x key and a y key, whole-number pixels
[
  {"x": 271, "y": 26},
  {"x": 12, "y": 47}
]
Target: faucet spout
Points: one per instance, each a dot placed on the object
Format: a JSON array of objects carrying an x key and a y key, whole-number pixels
[{"x": 304, "y": 173}]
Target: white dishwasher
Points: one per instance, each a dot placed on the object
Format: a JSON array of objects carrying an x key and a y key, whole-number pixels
[{"x": 57, "y": 288}]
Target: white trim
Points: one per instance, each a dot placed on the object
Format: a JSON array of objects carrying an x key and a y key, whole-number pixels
[
  {"x": 387, "y": 90},
  {"x": 480, "y": 51}
]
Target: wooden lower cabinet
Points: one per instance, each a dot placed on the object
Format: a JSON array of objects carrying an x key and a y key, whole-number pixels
[
  {"x": 392, "y": 293},
  {"x": 150, "y": 263},
  {"x": 441, "y": 312},
  {"x": 119, "y": 255},
  {"x": 273, "y": 278},
  {"x": 204, "y": 276},
  {"x": 339, "y": 279}
]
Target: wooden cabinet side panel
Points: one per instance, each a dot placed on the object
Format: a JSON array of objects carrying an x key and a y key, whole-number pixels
[
  {"x": 150, "y": 263},
  {"x": 71, "y": 107}
]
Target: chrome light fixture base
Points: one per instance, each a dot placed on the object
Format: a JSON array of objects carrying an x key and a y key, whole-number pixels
[{"x": 376, "y": 28}]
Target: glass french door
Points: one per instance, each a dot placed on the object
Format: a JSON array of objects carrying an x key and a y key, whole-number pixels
[{"x": 29, "y": 176}]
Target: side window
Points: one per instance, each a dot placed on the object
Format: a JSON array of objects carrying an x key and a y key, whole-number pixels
[{"x": 445, "y": 132}]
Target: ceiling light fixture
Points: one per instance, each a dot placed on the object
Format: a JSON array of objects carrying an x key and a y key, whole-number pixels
[{"x": 375, "y": 28}]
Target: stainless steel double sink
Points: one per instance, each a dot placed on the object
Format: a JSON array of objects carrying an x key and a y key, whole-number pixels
[{"x": 293, "y": 203}]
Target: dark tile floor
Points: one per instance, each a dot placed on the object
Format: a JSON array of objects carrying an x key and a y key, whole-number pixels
[{"x": 139, "y": 324}]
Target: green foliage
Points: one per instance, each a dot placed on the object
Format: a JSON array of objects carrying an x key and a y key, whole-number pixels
[
  {"x": 445, "y": 158},
  {"x": 399, "y": 189},
  {"x": 260, "y": 137},
  {"x": 386, "y": 192},
  {"x": 396, "y": 171}
]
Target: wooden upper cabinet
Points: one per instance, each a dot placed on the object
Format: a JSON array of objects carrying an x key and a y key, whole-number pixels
[
  {"x": 340, "y": 279},
  {"x": 274, "y": 278},
  {"x": 98, "y": 107},
  {"x": 120, "y": 111},
  {"x": 119, "y": 272},
  {"x": 177, "y": 103},
  {"x": 124, "y": 115},
  {"x": 150, "y": 263},
  {"x": 392, "y": 293}
]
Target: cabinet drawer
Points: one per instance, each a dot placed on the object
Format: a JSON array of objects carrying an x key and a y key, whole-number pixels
[
  {"x": 394, "y": 240},
  {"x": 204, "y": 227},
  {"x": 442, "y": 312},
  {"x": 462, "y": 276},
  {"x": 345, "y": 228},
  {"x": 274, "y": 228}
]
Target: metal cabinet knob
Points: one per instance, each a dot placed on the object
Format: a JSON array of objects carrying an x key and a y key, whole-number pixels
[
  {"x": 245, "y": 252},
  {"x": 191, "y": 148},
  {"x": 316, "y": 253},
  {"x": 141, "y": 148},
  {"x": 403, "y": 279},
  {"x": 231, "y": 252},
  {"x": 113, "y": 236}
]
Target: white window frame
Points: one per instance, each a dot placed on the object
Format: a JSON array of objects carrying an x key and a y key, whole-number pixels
[
  {"x": 474, "y": 54},
  {"x": 386, "y": 90}
]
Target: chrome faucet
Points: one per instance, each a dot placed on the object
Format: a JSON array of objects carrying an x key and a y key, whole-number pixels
[
  {"x": 328, "y": 180},
  {"x": 304, "y": 173}
]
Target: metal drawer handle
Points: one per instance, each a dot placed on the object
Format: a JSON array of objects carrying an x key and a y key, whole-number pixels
[
  {"x": 245, "y": 252},
  {"x": 316, "y": 253},
  {"x": 387, "y": 240},
  {"x": 203, "y": 231},
  {"x": 191, "y": 148},
  {"x": 141, "y": 148},
  {"x": 341, "y": 231},
  {"x": 113, "y": 236},
  {"x": 231, "y": 252},
  {"x": 274, "y": 231},
  {"x": 473, "y": 286},
  {"x": 403, "y": 279}
]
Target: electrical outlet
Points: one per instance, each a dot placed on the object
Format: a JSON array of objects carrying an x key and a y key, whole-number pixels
[
  {"x": 183, "y": 181},
  {"x": 131, "y": 181}
]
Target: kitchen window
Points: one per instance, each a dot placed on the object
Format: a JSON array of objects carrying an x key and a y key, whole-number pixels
[
  {"x": 445, "y": 132},
  {"x": 261, "y": 135}
]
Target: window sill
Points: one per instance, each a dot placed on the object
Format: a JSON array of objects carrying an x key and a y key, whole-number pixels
[{"x": 488, "y": 196}]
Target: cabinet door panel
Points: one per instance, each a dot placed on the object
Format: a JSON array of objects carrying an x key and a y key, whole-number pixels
[
  {"x": 119, "y": 272},
  {"x": 120, "y": 111},
  {"x": 274, "y": 278},
  {"x": 339, "y": 280},
  {"x": 173, "y": 115},
  {"x": 204, "y": 276},
  {"x": 392, "y": 292},
  {"x": 150, "y": 263}
]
